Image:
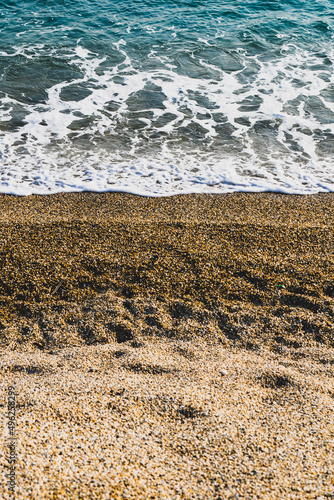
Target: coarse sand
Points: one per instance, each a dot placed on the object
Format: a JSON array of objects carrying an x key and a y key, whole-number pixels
[{"x": 168, "y": 348}]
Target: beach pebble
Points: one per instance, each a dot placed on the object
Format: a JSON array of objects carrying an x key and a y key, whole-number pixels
[{"x": 223, "y": 373}]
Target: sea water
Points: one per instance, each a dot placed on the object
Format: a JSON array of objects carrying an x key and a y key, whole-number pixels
[{"x": 162, "y": 97}]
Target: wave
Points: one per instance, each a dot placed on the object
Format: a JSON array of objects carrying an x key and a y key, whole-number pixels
[{"x": 169, "y": 110}]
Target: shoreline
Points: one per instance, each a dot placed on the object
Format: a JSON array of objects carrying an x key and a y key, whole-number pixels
[
  {"x": 49, "y": 207},
  {"x": 169, "y": 347}
]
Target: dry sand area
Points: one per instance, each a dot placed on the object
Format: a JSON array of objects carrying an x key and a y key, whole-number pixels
[{"x": 171, "y": 348}]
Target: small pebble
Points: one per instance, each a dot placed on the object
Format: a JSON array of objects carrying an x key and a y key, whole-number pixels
[{"x": 223, "y": 372}]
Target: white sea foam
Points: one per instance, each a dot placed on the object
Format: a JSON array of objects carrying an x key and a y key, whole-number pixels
[{"x": 272, "y": 133}]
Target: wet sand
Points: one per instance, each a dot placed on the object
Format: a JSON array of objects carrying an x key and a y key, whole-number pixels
[{"x": 169, "y": 348}]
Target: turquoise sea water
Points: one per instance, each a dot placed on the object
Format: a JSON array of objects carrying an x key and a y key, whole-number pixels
[{"x": 163, "y": 97}]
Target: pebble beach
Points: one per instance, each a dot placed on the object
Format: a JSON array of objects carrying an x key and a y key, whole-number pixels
[{"x": 168, "y": 348}]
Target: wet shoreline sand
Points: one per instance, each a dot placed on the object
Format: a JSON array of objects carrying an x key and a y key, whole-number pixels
[{"x": 169, "y": 347}]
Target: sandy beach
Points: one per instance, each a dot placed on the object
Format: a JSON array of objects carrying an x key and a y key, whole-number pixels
[{"x": 168, "y": 348}]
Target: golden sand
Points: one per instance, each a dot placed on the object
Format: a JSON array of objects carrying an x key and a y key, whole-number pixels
[{"x": 175, "y": 348}]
